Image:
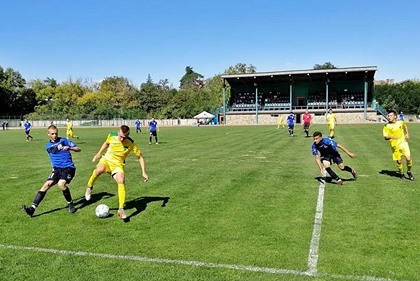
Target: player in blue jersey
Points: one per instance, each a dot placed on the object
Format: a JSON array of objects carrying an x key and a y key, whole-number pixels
[
  {"x": 63, "y": 170},
  {"x": 27, "y": 126},
  {"x": 138, "y": 125},
  {"x": 153, "y": 128},
  {"x": 291, "y": 123},
  {"x": 326, "y": 153}
]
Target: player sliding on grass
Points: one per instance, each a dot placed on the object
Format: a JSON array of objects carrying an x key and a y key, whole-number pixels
[
  {"x": 63, "y": 169},
  {"x": 329, "y": 154},
  {"x": 396, "y": 131},
  {"x": 118, "y": 146}
]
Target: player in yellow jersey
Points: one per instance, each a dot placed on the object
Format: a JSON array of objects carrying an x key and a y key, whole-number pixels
[
  {"x": 396, "y": 131},
  {"x": 280, "y": 122},
  {"x": 118, "y": 146},
  {"x": 331, "y": 120},
  {"x": 70, "y": 133}
]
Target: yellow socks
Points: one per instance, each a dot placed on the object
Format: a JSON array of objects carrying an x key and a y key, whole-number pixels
[
  {"x": 121, "y": 195},
  {"x": 92, "y": 179}
]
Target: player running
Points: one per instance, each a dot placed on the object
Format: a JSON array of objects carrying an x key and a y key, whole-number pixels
[
  {"x": 69, "y": 132},
  {"x": 328, "y": 154},
  {"x": 137, "y": 123},
  {"x": 307, "y": 120},
  {"x": 118, "y": 146},
  {"x": 27, "y": 126},
  {"x": 396, "y": 131},
  {"x": 332, "y": 121},
  {"x": 291, "y": 123},
  {"x": 63, "y": 170}
]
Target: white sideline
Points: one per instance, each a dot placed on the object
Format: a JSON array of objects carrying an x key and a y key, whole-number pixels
[
  {"x": 316, "y": 233},
  {"x": 195, "y": 263},
  {"x": 158, "y": 260}
]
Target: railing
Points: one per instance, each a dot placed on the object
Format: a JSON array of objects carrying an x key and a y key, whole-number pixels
[{"x": 380, "y": 110}]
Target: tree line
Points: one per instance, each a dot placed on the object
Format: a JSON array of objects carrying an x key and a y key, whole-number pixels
[
  {"x": 118, "y": 97},
  {"x": 112, "y": 97}
]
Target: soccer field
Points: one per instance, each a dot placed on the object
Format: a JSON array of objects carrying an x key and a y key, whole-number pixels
[{"x": 222, "y": 203}]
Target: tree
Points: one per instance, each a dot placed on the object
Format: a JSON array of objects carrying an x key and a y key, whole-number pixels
[
  {"x": 403, "y": 96},
  {"x": 12, "y": 92},
  {"x": 241, "y": 68},
  {"x": 190, "y": 79},
  {"x": 154, "y": 98},
  {"x": 117, "y": 93},
  {"x": 326, "y": 65}
]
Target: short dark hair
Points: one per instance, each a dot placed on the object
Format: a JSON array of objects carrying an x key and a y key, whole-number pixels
[
  {"x": 125, "y": 129},
  {"x": 393, "y": 111},
  {"x": 52, "y": 127},
  {"x": 317, "y": 133}
]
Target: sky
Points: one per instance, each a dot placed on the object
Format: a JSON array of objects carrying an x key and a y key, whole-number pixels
[{"x": 92, "y": 40}]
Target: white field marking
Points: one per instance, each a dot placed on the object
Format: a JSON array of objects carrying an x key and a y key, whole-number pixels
[
  {"x": 316, "y": 233},
  {"x": 158, "y": 260},
  {"x": 194, "y": 263},
  {"x": 13, "y": 177}
]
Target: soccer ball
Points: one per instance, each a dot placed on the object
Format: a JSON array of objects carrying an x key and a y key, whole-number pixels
[{"x": 102, "y": 211}]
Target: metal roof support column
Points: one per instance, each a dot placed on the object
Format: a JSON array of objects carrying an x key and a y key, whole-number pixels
[
  {"x": 326, "y": 97},
  {"x": 365, "y": 99},
  {"x": 256, "y": 103},
  {"x": 224, "y": 101},
  {"x": 291, "y": 96}
]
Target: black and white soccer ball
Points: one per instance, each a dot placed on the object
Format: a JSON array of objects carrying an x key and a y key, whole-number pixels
[{"x": 102, "y": 211}]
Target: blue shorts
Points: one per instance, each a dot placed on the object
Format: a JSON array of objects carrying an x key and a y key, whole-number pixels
[
  {"x": 66, "y": 174},
  {"x": 332, "y": 159}
]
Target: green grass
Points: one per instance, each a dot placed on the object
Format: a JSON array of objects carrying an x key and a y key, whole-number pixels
[{"x": 238, "y": 196}]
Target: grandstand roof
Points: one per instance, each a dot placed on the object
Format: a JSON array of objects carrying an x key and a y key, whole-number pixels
[{"x": 309, "y": 75}]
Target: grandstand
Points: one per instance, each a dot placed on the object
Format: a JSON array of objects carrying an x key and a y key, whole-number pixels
[{"x": 260, "y": 98}]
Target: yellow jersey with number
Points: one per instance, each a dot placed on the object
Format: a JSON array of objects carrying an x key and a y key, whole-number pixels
[
  {"x": 331, "y": 118},
  {"x": 118, "y": 151},
  {"x": 395, "y": 129},
  {"x": 69, "y": 126}
]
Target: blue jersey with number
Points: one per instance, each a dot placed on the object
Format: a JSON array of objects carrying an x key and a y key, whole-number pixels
[
  {"x": 60, "y": 158},
  {"x": 326, "y": 147},
  {"x": 153, "y": 126},
  {"x": 27, "y": 125},
  {"x": 290, "y": 119}
]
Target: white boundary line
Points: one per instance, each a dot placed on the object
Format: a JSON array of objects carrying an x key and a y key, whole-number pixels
[
  {"x": 312, "y": 257},
  {"x": 316, "y": 233},
  {"x": 158, "y": 260},
  {"x": 195, "y": 263}
]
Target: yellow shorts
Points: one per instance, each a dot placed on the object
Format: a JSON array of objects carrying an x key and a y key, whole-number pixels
[
  {"x": 112, "y": 168},
  {"x": 70, "y": 133},
  {"x": 400, "y": 150},
  {"x": 331, "y": 126}
]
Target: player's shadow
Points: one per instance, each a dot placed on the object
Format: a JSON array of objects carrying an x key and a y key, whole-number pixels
[
  {"x": 81, "y": 202},
  {"x": 50, "y": 211},
  {"x": 394, "y": 174},
  {"x": 140, "y": 204},
  {"x": 330, "y": 180}
]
